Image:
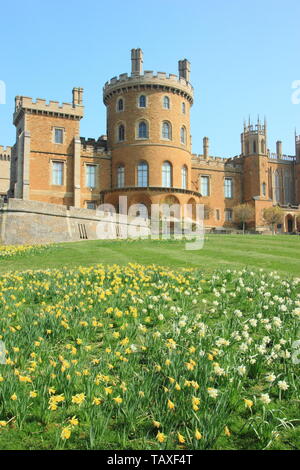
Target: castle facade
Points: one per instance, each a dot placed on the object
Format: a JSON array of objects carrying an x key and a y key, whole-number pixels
[{"x": 145, "y": 155}]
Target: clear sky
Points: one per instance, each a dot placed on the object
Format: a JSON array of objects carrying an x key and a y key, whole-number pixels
[{"x": 244, "y": 57}]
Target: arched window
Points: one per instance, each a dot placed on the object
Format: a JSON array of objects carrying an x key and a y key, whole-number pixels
[
  {"x": 143, "y": 130},
  {"x": 184, "y": 177},
  {"x": 166, "y": 102},
  {"x": 254, "y": 146},
  {"x": 264, "y": 189},
  {"x": 166, "y": 130},
  {"x": 183, "y": 108},
  {"x": 183, "y": 135},
  {"x": 120, "y": 104},
  {"x": 167, "y": 175},
  {"x": 142, "y": 175},
  {"x": 121, "y": 133},
  {"x": 247, "y": 148},
  {"x": 121, "y": 176},
  {"x": 142, "y": 101},
  {"x": 262, "y": 146}
]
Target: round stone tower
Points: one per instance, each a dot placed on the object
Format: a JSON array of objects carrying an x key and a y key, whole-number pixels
[{"x": 148, "y": 135}]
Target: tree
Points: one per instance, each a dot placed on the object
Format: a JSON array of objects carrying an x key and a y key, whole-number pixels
[
  {"x": 273, "y": 216},
  {"x": 243, "y": 213}
]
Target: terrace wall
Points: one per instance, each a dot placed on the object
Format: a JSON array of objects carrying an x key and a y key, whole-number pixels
[{"x": 32, "y": 222}]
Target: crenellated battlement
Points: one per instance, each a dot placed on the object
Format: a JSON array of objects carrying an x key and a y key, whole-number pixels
[
  {"x": 41, "y": 106},
  {"x": 233, "y": 162},
  {"x": 255, "y": 129},
  {"x": 5, "y": 153},
  {"x": 148, "y": 78}
]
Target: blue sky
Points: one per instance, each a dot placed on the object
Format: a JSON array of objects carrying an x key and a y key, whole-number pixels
[{"x": 244, "y": 56}]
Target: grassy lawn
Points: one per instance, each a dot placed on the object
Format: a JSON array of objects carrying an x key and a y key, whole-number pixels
[
  {"x": 281, "y": 253},
  {"x": 114, "y": 355}
]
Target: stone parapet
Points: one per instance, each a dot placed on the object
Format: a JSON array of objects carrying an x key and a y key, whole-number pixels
[
  {"x": 149, "y": 79},
  {"x": 40, "y": 106}
]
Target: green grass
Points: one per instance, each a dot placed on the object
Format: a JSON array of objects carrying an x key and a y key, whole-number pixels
[{"x": 280, "y": 253}]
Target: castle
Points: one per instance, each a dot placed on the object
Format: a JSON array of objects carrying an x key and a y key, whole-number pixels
[{"x": 145, "y": 155}]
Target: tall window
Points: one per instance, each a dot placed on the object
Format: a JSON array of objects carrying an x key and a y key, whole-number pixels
[
  {"x": 263, "y": 146},
  {"x": 121, "y": 133},
  {"x": 166, "y": 102},
  {"x": 264, "y": 189},
  {"x": 166, "y": 130},
  {"x": 183, "y": 108},
  {"x": 142, "y": 175},
  {"x": 90, "y": 176},
  {"x": 184, "y": 177},
  {"x": 228, "y": 215},
  {"x": 57, "y": 173},
  {"x": 142, "y": 101},
  {"x": 143, "y": 130},
  {"x": 277, "y": 186},
  {"x": 218, "y": 214},
  {"x": 121, "y": 176},
  {"x": 167, "y": 175},
  {"x": 254, "y": 147},
  {"x": 183, "y": 135},
  {"x": 204, "y": 186},
  {"x": 58, "y": 135},
  {"x": 228, "y": 188},
  {"x": 120, "y": 104}
]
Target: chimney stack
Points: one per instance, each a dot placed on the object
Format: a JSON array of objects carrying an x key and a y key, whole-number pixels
[
  {"x": 136, "y": 61},
  {"x": 279, "y": 149},
  {"x": 77, "y": 96},
  {"x": 184, "y": 68},
  {"x": 206, "y": 147}
]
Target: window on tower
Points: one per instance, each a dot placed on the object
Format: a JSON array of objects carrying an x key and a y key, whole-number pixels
[
  {"x": 183, "y": 135},
  {"x": 58, "y": 135},
  {"x": 121, "y": 132},
  {"x": 184, "y": 172},
  {"x": 57, "y": 173},
  {"x": 204, "y": 186},
  {"x": 143, "y": 130},
  {"x": 142, "y": 101},
  {"x": 254, "y": 146},
  {"x": 166, "y": 102},
  {"x": 90, "y": 176},
  {"x": 142, "y": 175},
  {"x": 120, "y": 104},
  {"x": 166, "y": 130},
  {"x": 121, "y": 176},
  {"x": 167, "y": 175},
  {"x": 228, "y": 188}
]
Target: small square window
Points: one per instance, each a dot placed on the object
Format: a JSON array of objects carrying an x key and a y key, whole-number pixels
[
  {"x": 58, "y": 135},
  {"x": 91, "y": 205}
]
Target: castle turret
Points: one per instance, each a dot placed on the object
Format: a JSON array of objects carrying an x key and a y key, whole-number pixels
[
  {"x": 254, "y": 139},
  {"x": 148, "y": 132},
  {"x": 254, "y": 151}
]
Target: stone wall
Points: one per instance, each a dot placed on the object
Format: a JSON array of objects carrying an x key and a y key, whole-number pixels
[{"x": 31, "y": 222}]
